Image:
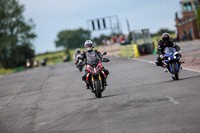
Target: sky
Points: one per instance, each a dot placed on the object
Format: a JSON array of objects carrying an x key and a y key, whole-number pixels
[{"x": 53, "y": 16}]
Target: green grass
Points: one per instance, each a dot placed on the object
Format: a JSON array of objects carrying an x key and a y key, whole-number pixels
[
  {"x": 52, "y": 58},
  {"x": 5, "y": 71}
]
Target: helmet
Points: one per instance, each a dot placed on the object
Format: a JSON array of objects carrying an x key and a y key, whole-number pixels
[
  {"x": 88, "y": 45},
  {"x": 78, "y": 50},
  {"x": 165, "y": 37}
]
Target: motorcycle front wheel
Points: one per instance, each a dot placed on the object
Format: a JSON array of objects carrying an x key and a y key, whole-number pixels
[
  {"x": 175, "y": 72},
  {"x": 97, "y": 85}
]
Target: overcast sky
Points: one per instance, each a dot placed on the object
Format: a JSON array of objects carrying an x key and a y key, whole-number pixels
[{"x": 52, "y": 16}]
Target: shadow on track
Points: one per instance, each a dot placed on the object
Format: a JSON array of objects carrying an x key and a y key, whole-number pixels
[
  {"x": 107, "y": 96},
  {"x": 190, "y": 77},
  {"x": 179, "y": 79}
]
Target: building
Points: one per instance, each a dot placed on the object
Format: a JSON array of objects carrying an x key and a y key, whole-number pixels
[{"x": 187, "y": 27}]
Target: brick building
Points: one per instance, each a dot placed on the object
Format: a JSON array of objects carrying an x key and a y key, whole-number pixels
[{"x": 187, "y": 27}]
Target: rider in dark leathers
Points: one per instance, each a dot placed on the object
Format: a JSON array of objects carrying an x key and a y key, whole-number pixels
[
  {"x": 91, "y": 56},
  {"x": 162, "y": 44}
]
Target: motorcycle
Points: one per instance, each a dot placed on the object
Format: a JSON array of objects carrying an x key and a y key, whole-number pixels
[
  {"x": 36, "y": 63},
  {"x": 43, "y": 62},
  {"x": 80, "y": 67},
  {"x": 28, "y": 64},
  {"x": 96, "y": 76},
  {"x": 172, "y": 61}
]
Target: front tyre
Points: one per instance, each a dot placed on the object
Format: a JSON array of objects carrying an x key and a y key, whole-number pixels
[
  {"x": 97, "y": 86},
  {"x": 175, "y": 72}
]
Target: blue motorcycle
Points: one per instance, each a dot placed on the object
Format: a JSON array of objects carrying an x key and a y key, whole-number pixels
[{"x": 172, "y": 61}]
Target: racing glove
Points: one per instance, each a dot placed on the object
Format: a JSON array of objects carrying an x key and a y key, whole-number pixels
[
  {"x": 180, "y": 52},
  {"x": 161, "y": 56}
]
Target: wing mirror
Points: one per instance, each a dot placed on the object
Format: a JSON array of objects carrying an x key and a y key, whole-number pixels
[
  {"x": 105, "y": 60},
  {"x": 104, "y": 53}
]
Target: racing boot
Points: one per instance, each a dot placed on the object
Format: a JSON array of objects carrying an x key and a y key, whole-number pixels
[
  {"x": 165, "y": 70},
  {"x": 105, "y": 83},
  {"x": 87, "y": 86}
]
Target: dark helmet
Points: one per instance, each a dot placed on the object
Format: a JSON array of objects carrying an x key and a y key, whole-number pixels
[{"x": 165, "y": 37}]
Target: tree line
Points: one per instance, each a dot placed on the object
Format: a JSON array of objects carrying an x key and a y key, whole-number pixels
[
  {"x": 161, "y": 31},
  {"x": 15, "y": 35}
]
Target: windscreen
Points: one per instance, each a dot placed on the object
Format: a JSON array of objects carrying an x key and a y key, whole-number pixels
[
  {"x": 92, "y": 58},
  {"x": 170, "y": 50}
]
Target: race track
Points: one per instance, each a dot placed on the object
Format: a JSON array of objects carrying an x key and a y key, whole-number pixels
[{"x": 140, "y": 98}]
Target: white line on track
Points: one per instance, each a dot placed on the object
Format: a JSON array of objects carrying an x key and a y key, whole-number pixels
[
  {"x": 191, "y": 70},
  {"x": 10, "y": 99},
  {"x": 171, "y": 99},
  {"x": 43, "y": 123},
  {"x": 142, "y": 60}
]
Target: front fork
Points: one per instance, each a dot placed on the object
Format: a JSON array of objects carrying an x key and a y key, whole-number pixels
[
  {"x": 92, "y": 77},
  {"x": 169, "y": 66}
]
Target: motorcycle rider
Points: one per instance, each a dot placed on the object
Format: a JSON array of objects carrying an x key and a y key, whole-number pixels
[
  {"x": 162, "y": 44},
  {"x": 77, "y": 54},
  {"x": 28, "y": 63},
  {"x": 91, "y": 55}
]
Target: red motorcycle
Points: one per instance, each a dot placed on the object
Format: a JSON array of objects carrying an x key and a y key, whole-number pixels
[{"x": 96, "y": 77}]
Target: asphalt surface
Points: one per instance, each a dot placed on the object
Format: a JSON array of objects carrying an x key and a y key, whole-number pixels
[{"x": 140, "y": 98}]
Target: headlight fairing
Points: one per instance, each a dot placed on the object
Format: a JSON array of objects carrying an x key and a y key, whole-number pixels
[
  {"x": 98, "y": 67},
  {"x": 174, "y": 57}
]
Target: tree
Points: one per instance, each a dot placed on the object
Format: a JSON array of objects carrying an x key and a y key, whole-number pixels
[
  {"x": 161, "y": 31},
  {"x": 99, "y": 39},
  {"x": 72, "y": 38},
  {"x": 15, "y": 35}
]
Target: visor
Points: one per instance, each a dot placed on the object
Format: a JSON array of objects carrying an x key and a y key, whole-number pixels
[
  {"x": 166, "y": 39},
  {"x": 88, "y": 45}
]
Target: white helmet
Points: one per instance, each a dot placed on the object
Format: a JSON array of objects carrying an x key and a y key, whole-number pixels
[
  {"x": 88, "y": 45},
  {"x": 78, "y": 50}
]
